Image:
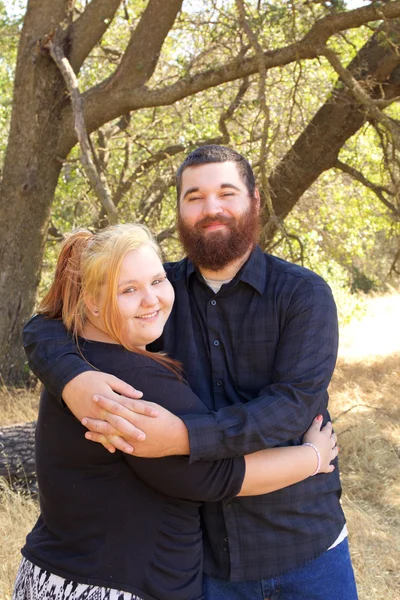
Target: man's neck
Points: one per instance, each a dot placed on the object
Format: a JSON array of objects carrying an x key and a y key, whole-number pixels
[{"x": 228, "y": 272}]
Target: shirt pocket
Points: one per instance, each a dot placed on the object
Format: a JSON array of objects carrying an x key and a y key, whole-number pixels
[{"x": 254, "y": 364}]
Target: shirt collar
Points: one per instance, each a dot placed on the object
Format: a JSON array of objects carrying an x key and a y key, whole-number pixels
[{"x": 252, "y": 272}]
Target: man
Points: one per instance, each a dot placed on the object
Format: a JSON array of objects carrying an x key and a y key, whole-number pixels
[{"x": 257, "y": 337}]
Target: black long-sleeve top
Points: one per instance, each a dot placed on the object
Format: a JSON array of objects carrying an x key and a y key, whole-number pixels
[{"x": 119, "y": 521}]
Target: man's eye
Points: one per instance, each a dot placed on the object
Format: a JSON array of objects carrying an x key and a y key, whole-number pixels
[
  {"x": 194, "y": 198},
  {"x": 227, "y": 194}
]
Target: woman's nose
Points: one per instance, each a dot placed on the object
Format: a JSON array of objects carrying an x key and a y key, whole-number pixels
[{"x": 149, "y": 297}]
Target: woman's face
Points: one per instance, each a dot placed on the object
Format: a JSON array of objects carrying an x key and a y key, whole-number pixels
[{"x": 145, "y": 296}]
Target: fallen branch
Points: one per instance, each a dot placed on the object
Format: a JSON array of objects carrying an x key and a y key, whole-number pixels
[{"x": 17, "y": 456}]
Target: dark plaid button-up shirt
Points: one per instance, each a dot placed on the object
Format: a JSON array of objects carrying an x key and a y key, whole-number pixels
[{"x": 260, "y": 354}]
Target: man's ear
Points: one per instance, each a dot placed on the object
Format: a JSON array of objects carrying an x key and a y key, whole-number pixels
[{"x": 91, "y": 305}]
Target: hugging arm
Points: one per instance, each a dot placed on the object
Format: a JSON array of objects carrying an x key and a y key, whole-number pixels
[
  {"x": 304, "y": 363},
  {"x": 54, "y": 358},
  {"x": 213, "y": 480},
  {"x": 52, "y": 354}
]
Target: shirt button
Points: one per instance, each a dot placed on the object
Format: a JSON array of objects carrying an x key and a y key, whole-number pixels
[
  {"x": 228, "y": 505},
  {"x": 225, "y": 548},
  {"x": 213, "y": 302},
  {"x": 216, "y": 343},
  {"x": 218, "y": 382},
  {"x": 225, "y": 539}
]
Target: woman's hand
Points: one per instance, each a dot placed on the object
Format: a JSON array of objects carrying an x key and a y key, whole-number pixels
[{"x": 325, "y": 440}]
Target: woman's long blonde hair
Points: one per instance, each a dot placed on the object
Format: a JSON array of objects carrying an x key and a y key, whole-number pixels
[{"x": 86, "y": 263}]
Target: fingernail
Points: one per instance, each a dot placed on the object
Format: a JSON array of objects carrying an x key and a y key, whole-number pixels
[
  {"x": 319, "y": 418},
  {"x": 84, "y": 421},
  {"x": 95, "y": 398},
  {"x": 128, "y": 449},
  {"x": 141, "y": 437},
  {"x": 88, "y": 436}
]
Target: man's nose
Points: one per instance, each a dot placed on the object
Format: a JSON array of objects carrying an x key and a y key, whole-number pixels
[{"x": 212, "y": 205}]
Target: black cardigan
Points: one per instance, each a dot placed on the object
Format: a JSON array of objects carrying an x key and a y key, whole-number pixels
[{"x": 119, "y": 521}]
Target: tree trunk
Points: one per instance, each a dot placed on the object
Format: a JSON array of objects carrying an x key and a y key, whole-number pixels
[
  {"x": 17, "y": 456},
  {"x": 30, "y": 175}
]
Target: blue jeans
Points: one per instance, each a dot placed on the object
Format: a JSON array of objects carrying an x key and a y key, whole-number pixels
[{"x": 329, "y": 577}]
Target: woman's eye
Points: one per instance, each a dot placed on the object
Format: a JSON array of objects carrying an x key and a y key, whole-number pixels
[
  {"x": 129, "y": 290},
  {"x": 157, "y": 281}
]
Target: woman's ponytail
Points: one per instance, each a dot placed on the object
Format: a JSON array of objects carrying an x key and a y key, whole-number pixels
[{"x": 64, "y": 299}]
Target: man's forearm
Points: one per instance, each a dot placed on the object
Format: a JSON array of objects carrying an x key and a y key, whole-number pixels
[{"x": 52, "y": 354}]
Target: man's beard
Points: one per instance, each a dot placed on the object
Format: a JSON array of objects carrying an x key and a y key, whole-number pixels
[{"x": 214, "y": 250}]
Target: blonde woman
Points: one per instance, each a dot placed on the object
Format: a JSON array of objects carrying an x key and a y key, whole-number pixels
[{"x": 113, "y": 526}]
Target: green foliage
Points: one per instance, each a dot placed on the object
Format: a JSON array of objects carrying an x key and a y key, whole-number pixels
[{"x": 339, "y": 228}]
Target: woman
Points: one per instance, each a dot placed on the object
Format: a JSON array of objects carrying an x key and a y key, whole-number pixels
[{"x": 112, "y": 525}]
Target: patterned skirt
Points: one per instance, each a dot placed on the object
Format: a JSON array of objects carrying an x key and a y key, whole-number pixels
[{"x": 34, "y": 583}]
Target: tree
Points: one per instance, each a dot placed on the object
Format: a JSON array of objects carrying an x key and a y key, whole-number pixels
[{"x": 151, "y": 70}]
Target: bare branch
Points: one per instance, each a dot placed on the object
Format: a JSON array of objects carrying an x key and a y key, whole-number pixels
[
  {"x": 378, "y": 190},
  {"x": 226, "y": 115},
  {"x": 393, "y": 268},
  {"x": 99, "y": 185},
  {"x": 144, "y": 166},
  {"x": 163, "y": 235},
  {"x": 87, "y": 30},
  {"x": 263, "y": 105}
]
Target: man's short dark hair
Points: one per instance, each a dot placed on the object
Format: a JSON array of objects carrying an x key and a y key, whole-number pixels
[{"x": 217, "y": 154}]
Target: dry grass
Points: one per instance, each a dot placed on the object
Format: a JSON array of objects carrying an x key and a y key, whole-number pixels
[
  {"x": 365, "y": 404},
  {"x": 18, "y": 513},
  {"x": 17, "y": 406}
]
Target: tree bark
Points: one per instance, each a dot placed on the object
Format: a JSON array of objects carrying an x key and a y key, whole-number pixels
[
  {"x": 17, "y": 456},
  {"x": 30, "y": 175}
]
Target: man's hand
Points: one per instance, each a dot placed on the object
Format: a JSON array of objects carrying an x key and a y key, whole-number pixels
[
  {"x": 165, "y": 435},
  {"x": 78, "y": 395}
]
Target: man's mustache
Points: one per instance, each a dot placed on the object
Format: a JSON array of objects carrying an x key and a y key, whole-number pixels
[{"x": 223, "y": 220}]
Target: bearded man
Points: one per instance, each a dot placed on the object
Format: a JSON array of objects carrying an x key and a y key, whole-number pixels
[{"x": 257, "y": 337}]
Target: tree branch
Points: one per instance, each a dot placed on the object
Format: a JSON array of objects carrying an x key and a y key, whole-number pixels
[
  {"x": 127, "y": 92},
  {"x": 100, "y": 187},
  {"x": 263, "y": 105},
  {"x": 377, "y": 189},
  {"x": 362, "y": 97},
  {"x": 142, "y": 53},
  {"x": 87, "y": 30}
]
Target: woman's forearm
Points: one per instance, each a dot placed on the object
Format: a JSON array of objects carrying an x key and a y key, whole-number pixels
[{"x": 276, "y": 468}]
